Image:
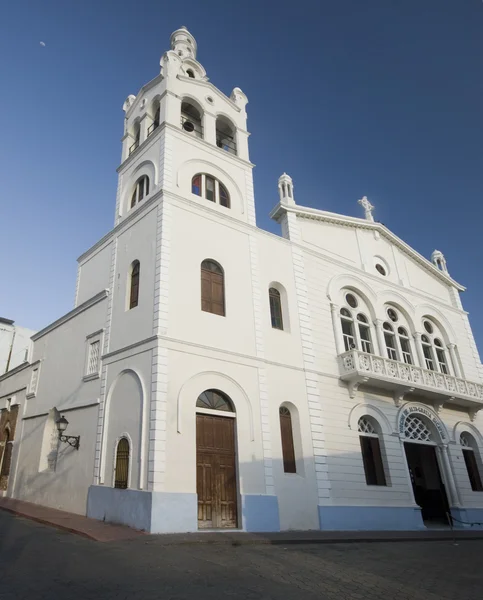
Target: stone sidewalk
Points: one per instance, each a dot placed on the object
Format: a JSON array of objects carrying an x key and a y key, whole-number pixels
[
  {"x": 89, "y": 528},
  {"x": 108, "y": 532}
]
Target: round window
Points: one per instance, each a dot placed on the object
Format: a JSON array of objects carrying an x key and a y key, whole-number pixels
[
  {"x": 428, "y": 327},
  {"x": 392, "y": 314},
  {"x": 209, "y": 99},
  {"x": 351, "y": 300},
  {"x": 188, "y": 126},
  {"x": 380, "y": 269}
]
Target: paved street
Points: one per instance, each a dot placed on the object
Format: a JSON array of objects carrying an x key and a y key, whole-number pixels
[{"x": 40, "y": 562}]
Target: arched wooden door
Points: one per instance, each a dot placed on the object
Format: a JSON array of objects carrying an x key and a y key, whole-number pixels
[{"x": 216, "y": 478}]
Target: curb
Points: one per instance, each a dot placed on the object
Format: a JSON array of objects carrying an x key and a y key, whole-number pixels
[{"x": 50, "y": 523}]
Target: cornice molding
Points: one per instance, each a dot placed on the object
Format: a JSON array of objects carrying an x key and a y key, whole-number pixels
[
  {"x": 15, "y": 371},
  {"x": 70, "y": 315},
  {"x": 314, "y": 214},
  {"x": 143, "y": 90}
]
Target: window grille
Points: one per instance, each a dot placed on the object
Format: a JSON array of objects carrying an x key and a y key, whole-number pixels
[
  {"x": 93, "y": 362},
  {"x": 416, "y": 429},
  {"x": 34, "y": 380},
  {"x": 122, "y": 464},
  {"x": 365, "y": 426}
]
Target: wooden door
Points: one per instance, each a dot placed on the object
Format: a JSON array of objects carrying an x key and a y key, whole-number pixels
[{"x": 216, "y": 471}]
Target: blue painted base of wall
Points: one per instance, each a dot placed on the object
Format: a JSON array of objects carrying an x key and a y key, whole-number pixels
[
  {"x": 469, "y": 516},
  {"x": 174, "y": 513},
  {"x": 129, "y": 507},
  {"x": 155, "y": 512},
  {"x": 260, "y": 513},
  {"x": 364, "y": 518}
]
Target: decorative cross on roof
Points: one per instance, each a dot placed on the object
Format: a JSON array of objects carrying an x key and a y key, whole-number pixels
[{"x": 368, "y": 208}]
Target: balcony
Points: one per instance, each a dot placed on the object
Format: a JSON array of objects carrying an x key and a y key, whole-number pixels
[{"x": 360, "y": 368}]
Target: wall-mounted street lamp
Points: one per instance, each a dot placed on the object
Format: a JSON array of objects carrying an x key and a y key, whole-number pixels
[{"x": 72, "y": 440}]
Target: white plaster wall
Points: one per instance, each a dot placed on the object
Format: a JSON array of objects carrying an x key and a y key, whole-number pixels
[
  {"x": 297, "y": 492},
  {"x": 194, "y": 238},
  {"x": 137, "y": 241},
  {"x": 93, "y": 275},
  {"x": 191, "y": 373},
  {"x": 20, "y": 336},
  {"x": 275, "y": 266},
  {"x": 66, "y": 487},
  {"x": 126, "y": 406}
]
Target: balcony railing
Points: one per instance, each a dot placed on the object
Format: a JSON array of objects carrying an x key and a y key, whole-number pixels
[
  {"x": 134, "y": 147},
  {"x": 152, "y": 128},
  {"x": 191, "y": 125},
  {"x": 359, "y": 368}
]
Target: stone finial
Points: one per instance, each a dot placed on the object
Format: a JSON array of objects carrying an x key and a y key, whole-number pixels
[
  {"x": 285, "y": 189},
  {"x": 239, "y": 98},
  {"x": 368, "y": 208},
  {"x": 439, "y": 261},
  {"x": 128, "y": 102}
]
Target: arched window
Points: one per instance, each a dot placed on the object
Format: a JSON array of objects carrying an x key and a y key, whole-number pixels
[
  {"x": 225, "y": 135},
  {"x": 371, "y": 451},
  {"x": 275, "y": 308},
  {"x": 212, "y": 288},
  {"x": 137, "y": 138},
  {"x": 141, "y": 190},
  {"x": 364, "y": 333},
  {"x": 121, "y": 471},
  {"x": 440, "y": 355},
  {"x": 427, "y": 352},
  {"x": 288, "y": 451},
  {"x": 224, "y": 196},
  {"x": 209, "y": 187},
  {"x": 470, "y": 450},
  {"x": 214, "y": 400},
  {"x": 190, "y": 73},
  {"x": 191, "y": 118},
  {"x": 405, "y": 345},
  {"x": 390, "y": 340},
  {"x": 433, "y": 348},
  {"x": 134, "y": 284},
  {"x": 347, "y": 329}
]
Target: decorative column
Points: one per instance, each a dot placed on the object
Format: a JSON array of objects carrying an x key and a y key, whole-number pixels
[
  {"x": 419, "y": 349},
  {"x": 378, "y": 323},
  {"x": 339, "y": 340},
  {"x": 209, "y": 128},
  {"x": 454, "y": 359},
  {"x": 443, "y": 452}
]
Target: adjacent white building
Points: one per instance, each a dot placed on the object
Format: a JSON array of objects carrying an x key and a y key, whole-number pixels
[
  {"x": 14, "y": 344},
  {"x": 220, "y": 376}
]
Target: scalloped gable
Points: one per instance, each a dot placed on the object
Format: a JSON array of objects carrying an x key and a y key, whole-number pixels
[{"x": 378, "y": 229}]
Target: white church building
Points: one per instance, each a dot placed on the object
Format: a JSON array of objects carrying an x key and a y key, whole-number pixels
[{"x": 214, "y": 375}]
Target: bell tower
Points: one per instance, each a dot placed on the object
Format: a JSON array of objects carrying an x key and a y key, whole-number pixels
[{"x": 183, "y": 136}]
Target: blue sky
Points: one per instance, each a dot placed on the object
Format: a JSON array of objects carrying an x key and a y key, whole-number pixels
[{"x": 349, "y": 97}]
